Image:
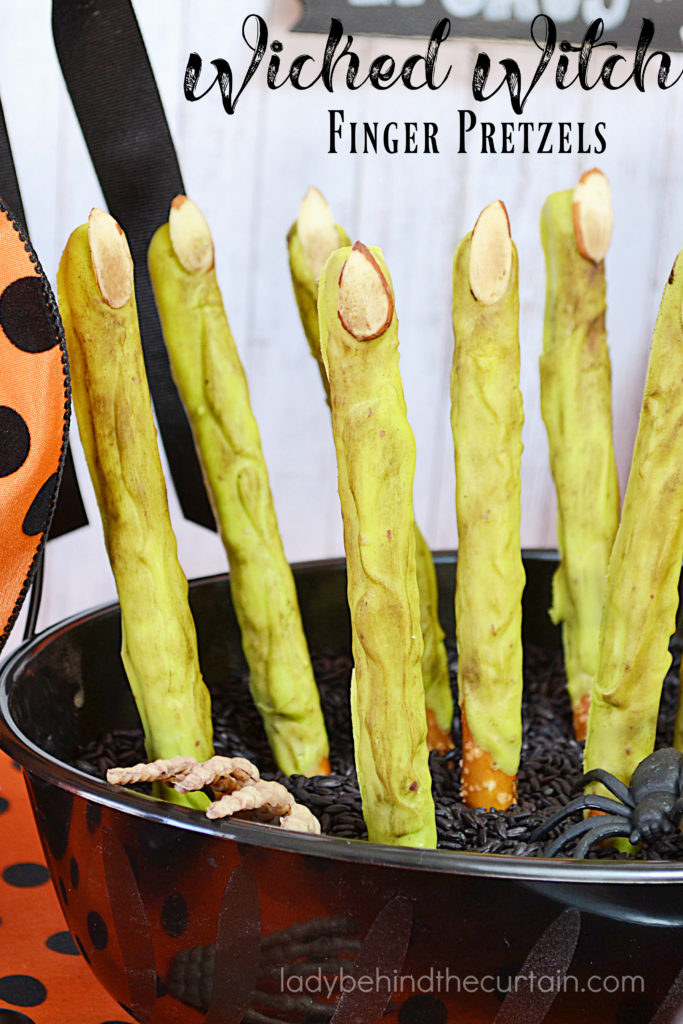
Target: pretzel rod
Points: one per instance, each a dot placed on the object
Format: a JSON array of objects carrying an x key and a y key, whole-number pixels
[
  {"x": 213, "y": 388},
  {"x": 111, "y": 398},
  {"x": 311, "y": 240},
  {"x": 376, "y": 462},
  {"x": 486, "y": 418},
  {"x": 645, "y": 566},
  {"x": 577, "y": 411}
]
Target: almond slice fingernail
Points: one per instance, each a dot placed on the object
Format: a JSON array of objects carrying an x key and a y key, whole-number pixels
[
  {"x": 112, "y": 262},
  {"x": 190, "y": 235},
  {"x": 491, "y": 254},
  {"x": 365, "y": 303},
  {"x": 592, "y": 214},
  {"x": 317, "y": 231}
]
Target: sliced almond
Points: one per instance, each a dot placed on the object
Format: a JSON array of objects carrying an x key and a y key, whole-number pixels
[
  {"x": 592, "y": 214},
  {"x": 365, "y": 303},
  {"x": 190, "y": 235},
  {"x": 317, "y": 231},
  {"x": 491, "y": 254},
  {"x": 112, "y": 262}
]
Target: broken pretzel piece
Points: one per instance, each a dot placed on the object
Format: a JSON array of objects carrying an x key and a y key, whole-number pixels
[
  {"x": 301, "y": 819},
  {"x": 236, "y": 784},
  {"x": 270, "y": 799},
  {"x": 220, "y": 774},
  {"x": 266, "y": 802},
  {"x": 172, "y": 770}
]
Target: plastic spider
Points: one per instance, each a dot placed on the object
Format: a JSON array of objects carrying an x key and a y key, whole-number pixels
[{"x": 652, "y": 806}]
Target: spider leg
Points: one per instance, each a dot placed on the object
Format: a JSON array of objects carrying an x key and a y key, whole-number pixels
[
  {"x": 619, "y": 789},
  {"x": 602, "y": 830},
  {"x": 586, "y": 801},
  {"x": 587, "y": 828}
]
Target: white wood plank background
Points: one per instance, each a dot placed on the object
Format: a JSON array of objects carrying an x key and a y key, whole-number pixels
[{"x": 248, "y": 173}]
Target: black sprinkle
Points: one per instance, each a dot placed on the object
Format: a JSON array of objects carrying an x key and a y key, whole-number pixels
[{"x": 549, "y": 775}]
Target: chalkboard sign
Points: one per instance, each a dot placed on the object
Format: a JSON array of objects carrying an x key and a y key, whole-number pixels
[{"x": 503, "y": 19}]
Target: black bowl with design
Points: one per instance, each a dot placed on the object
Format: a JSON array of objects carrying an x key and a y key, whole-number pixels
[{"x": 185, "y": 920}]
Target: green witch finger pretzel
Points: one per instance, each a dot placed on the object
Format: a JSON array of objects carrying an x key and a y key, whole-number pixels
[
  {"x": 111, "y": 398},
  {"x": 577, "y": 409},
  {"x": 212, "y": 385},
  {"x": 313, "y": 237},
  {"x": 645, "y": 565},
  {"x": 486, "y": 418},
  {"x": 376, "y": 461}
]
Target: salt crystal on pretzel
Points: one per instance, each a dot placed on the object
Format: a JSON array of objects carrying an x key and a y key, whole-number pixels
[
  {"x": 222, "y": 774},
  {"x": 171, "y": 769}
]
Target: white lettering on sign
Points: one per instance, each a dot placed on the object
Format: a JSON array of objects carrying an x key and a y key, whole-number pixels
[
  {"x": 612, "y": 12},
  {"x": 462, "y": 8},
  {"x": 612, "y": 15},
  {"x": 561, "y": 10},
  {"x": 506, "y": 10}
]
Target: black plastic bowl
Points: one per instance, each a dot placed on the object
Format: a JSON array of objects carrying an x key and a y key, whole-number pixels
[{"x": 185, "y": 920}]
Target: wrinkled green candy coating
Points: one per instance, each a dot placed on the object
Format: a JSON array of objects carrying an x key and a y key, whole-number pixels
[
  {"x": 111, "y": 398},
  {"x": 213, "y": 387},
  {"x": 577, "y": 410},
  {"x": 436, "y": 678},
  {"x": 486, "y": 419},
  {"x": 306, "y": 294},
  {"x": 645, "y": 566},
  {"x": 376, "y": 463}
]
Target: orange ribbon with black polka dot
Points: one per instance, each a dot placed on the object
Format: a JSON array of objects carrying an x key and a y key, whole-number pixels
[{"x": 34, "y": 414}]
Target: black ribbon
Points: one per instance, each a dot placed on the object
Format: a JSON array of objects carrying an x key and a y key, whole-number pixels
[
  {"x": 108, "y": 74},
  {"x": 69, "y": 513}
]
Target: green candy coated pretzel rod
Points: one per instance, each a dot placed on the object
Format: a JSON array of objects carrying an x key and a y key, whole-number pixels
[
  {"x": 111, "y": 398},
  {"x": 645, "y": 566},
  {"x": 313, "y": 237},
  {"x": 212, "y": 385},
  {"x": 486, "y": 418},
  {"x": 576, "y": 404},
  {"x": 376, "y": 464}
]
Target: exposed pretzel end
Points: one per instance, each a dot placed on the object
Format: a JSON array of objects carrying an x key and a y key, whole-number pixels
[
  {"x": 112, "y": 262},
  {"x": 592, "y": 215},
  {"x": 482, "y": 784},
  {"x": 437, "y": 738},
  {"x": 580, "y": 716},
  {"x": 491, "y": 254},
  {"x": 365, "y": 303},
  {"x": 190, "y": 235},
  {"x": 322, "y": 768}
]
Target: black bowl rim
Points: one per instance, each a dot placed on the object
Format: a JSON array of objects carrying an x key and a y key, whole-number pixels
[{"x": 528, "y": 869}]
